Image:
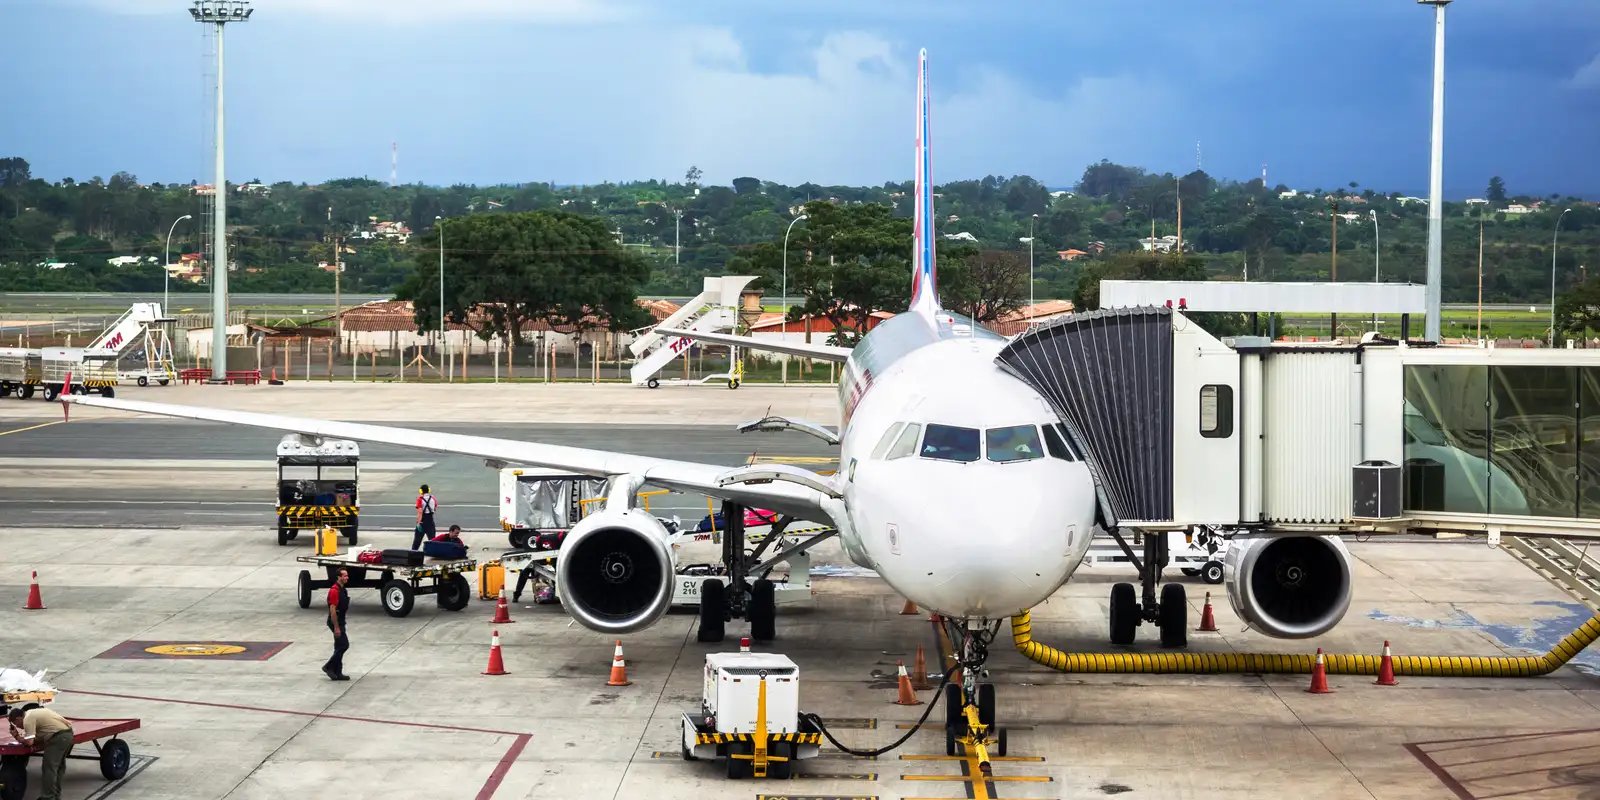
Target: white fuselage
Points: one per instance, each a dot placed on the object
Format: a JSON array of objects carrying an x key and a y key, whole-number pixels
[{"x": 948, "y": 496}]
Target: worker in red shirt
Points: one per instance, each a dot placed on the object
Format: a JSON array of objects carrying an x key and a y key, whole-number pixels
[
  {"x": 338, "y": 603},
  {"x": 427, "y": 505}
]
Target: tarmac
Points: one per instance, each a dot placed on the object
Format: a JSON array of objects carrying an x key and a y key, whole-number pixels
[{"x": 418, "y": 719}]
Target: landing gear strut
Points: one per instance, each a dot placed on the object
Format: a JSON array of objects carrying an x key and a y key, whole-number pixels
[
  {"x": 970, "y": 713},
  {"x": 1170, "y": 613},
  {"x": 740, "y": 597}
]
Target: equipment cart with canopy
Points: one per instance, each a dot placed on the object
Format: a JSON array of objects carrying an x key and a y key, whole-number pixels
[{"x": 317, "y": 486}]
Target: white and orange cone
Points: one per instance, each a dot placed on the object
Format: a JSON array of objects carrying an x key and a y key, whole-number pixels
[
  {"x": 1319, "y": 677},
  {"x": 909, "y": 609},
  {"x": 502, "y": 612},
  {"x": 497, "y": 664},
  {"x": 619, "y": 669},
  {"x": 906, "y": 696},
  {"x": 1386, "y": 668},
  {"x": 1208, "y": 620},
  {"x": 35, "y": 600}
]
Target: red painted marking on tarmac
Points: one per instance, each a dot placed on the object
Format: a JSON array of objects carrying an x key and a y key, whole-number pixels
[
  {"x": 500, "y": 769},
  {"x": 314, "y": 714},
  {"x": 1440, "y": 772}
]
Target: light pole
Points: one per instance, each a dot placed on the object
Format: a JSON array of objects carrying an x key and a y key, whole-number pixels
[
  {"x": 166, "y": 261},
  {"x": 440, "y": 221},
  {"x": 1030, "y": 268},
  {"x": 220, "y": 13},
  {"x": 1553, "y": 239},
  {"x": 1436, "y": 176},
  {"x": 785, "y": 326},
  {"x": 677, "y": 223},
  {"x": 1377, "y": 258}
]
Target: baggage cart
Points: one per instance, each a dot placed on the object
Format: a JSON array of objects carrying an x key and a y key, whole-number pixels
[
  {"x": 19, "y": 372},
  {"x": 88, "y": 372},
  {"x": 397, "y": 585},
  {"x": 318, "y": 487},
  {"x": 110, "y": 751}
]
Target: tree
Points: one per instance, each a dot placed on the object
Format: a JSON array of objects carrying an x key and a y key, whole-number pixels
[
  {"x": 519, "y": 269},
  {"x": 985, "y": 285},
  {"x": 14, "y": 172},
  {"x": 858, "y": 260},
  {"x": 692, "y": 177},
  {"x": 747, "y": 186},
  {"x": 1578, "y": 310},
  {"x": 1108, "y": 180},
  {"x": 1496, "y": 193}
]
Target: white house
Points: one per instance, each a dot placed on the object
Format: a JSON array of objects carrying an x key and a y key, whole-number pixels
[
  {"x": 1518, "y": 208},
  {"x": 1164, "y": 244}
]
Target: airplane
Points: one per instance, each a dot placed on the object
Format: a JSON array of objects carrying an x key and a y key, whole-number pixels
[{"x": 958, "y": 483}]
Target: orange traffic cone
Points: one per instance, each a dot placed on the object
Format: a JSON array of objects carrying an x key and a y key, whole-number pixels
[
  {"x": 497, "y": 665},
  {"x": 1208, "y": 621},
  {"x": 35, "y": 602},
  {"x": 906, "y": 696},
  {"x": 1386, "y": 668},
  {"x": 919, "y": 672},
  {"x": 619, "y": 669},
  {"x": 909, "y": 609},
  {"x": 502, "y": 612},
  {"x": 1319, "y": 677}
]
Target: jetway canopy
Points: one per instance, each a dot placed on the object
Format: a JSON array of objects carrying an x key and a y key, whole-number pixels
[
  {"x": 1181, "y": 428},
  {"x": 1242, "y": 296}
]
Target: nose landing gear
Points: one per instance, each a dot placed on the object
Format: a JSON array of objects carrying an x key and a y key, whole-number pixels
[{"x": 970, "y": 719}]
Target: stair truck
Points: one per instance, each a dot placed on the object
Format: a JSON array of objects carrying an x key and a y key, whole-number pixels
[
  {"x": 317, "y": 486},
  {"x": 88, "y": 371},
  {"x": 19, "y": 371},
  {"x": 750, "y": 715}
]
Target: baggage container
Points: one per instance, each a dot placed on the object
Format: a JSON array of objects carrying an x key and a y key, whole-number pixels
[{"x": 491, "y": 579}]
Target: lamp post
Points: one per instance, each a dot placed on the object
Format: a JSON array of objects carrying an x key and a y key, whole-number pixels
[
  {"x": 1377, "y": 257},
  {"x": 220, "y": 13},
  {"x": 167, "y": 260},
  {"x": 1030, "y": 268},
  {"x": 1553, "y": 239},
  {"x": 1436, "y": 176},
  {"x": 440, "y": 221},
  {"x": 677, "y": 222},
  {"x": 785, "y": 326}
]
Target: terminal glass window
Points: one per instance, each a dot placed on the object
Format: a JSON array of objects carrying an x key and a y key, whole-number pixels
[
  {"x": 1589, "y": 443},
  {"x": 906, "y": 444},
  {"x": 1534, "y": 467},
  {"x": 948, "y": 443},
  {"x": 1446, "y": 429},
  {"x": 1014, "y": 443}
]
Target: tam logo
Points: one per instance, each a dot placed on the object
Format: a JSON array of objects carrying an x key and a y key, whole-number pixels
[
  {"x": 115, "y": 340},
  {"x": 679, "y": 344}
]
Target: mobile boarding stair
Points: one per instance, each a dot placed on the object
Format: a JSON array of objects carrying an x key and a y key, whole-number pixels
[
  {"x": 714, "y": 310},
  {"x": 141, "y": 328}
]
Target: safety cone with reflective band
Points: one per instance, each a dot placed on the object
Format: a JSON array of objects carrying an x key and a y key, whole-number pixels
[
  {"x": 919, "y": 672},
  {"x": 1319, "y": 676},
  {"x": 1208, "y": 621},
  {"x": 909, "y": 609},
  {"x": 619, "y": 669},
  {"x": 497, "y": 665},
  {"x": 906, "y": 696},
  {"x": 35, "y": 601},
  {"x": 502, "y": 612},
  {"x": 1386, "y": 668},
  {"x": 744, "y": 644}
]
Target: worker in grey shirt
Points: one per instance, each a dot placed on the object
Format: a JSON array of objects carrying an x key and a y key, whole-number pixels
[{"x": 45, "y": 730}]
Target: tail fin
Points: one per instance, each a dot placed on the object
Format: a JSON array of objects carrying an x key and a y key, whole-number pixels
[{"x": 924, "y": 273}]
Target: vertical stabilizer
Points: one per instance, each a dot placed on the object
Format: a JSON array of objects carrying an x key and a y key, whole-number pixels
[{"x": 924, "y": 273}]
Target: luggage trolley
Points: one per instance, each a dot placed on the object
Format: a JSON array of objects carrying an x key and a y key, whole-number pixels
[
  {"x": 19, "y": 371},
  {"x": 397, "y": 584},
  {"x": 89, "y": 373},
  {"x": 110, "y": 751},
  {"x": 317, "y": 486}
]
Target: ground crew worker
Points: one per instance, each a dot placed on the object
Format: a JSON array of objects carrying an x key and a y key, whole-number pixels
[
  {"x": 427, "y": 506},
  {"x": 50, "y": 733},
  {"x": 338, "y": 603}
]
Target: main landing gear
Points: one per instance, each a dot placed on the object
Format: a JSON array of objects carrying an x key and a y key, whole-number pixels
[
  {"x": 969, "y": 725},
  {"x": 741, "y": 597},
  {"x": 1170, "y": 614}
]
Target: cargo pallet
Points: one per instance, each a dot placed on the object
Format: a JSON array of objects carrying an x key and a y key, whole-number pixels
[{"x": 397, "y": 585}]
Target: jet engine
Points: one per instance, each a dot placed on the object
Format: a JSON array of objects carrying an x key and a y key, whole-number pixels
[
  {"x": 615, "y": 573},
  {"x": 1289, "y": 587}
]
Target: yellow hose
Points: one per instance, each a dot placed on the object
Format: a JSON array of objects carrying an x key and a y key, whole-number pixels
[{"x": 1301, "y": 663}]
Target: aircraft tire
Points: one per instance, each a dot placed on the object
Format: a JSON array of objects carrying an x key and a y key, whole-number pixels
[
  {"x": 713, "y": 611},
  {"x": 1212, "y": 572},
  {"x": 763, "y": 611},
  {"x": 1174, "y": 616},
  {"x": 1124, "y": 614}
]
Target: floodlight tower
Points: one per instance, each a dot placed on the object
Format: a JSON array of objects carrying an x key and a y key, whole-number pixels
[
  {"x": 1436, "y": 176},
  {"x": 220, "y": 13}
]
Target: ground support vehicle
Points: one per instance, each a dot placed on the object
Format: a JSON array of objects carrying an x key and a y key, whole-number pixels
[
  {"x": 110, "y": 751},
  {"x": 318, "y": 486},
  {"x": 86, "y": 371},
  {"x": 1198, "y": 554},
  {"x": 398, "y": 586},
  {"x": 20, "y": 371},
  {"x": 750, "y": 715}
]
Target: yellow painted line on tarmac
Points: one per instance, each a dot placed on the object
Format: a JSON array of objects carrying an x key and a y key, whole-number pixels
[
  {"x": 32, "y": 427},
  {"x": 919, "y": 757},
  {"x": 980, "y": 779}
]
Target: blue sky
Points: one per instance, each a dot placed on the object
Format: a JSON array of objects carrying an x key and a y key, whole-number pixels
[{"x": 583, "y": 91}]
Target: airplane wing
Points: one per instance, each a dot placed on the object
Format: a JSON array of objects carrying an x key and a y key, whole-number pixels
[
  {"x": 823, "y": 352},
  {"x": 804, "y": 500}
]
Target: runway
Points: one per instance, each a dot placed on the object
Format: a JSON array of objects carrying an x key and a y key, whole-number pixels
[{"x": 150, "y": 473}]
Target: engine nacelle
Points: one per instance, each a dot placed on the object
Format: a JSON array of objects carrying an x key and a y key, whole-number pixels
[
  {"x": 616, "y": 570},
  {"x": 1289, "y": 587}
]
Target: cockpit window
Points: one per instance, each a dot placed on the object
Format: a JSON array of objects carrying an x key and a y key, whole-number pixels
[
  {"x": 888, "y": 439},
  {"x": 1055, "y": 443},
  {"x": 950, "y": 443},
  {"x": 907, "y": 443},
  {"x": 1014, "y": 443}
]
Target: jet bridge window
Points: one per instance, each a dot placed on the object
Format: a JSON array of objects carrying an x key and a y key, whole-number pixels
[
  {"x": 948, "y": 443},
  {"x": 1216, "y": 411},
  {"x": 1014, "y": 443}
]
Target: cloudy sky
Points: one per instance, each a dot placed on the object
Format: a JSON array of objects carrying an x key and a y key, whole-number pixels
[{"x": 583, "y": 91}]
